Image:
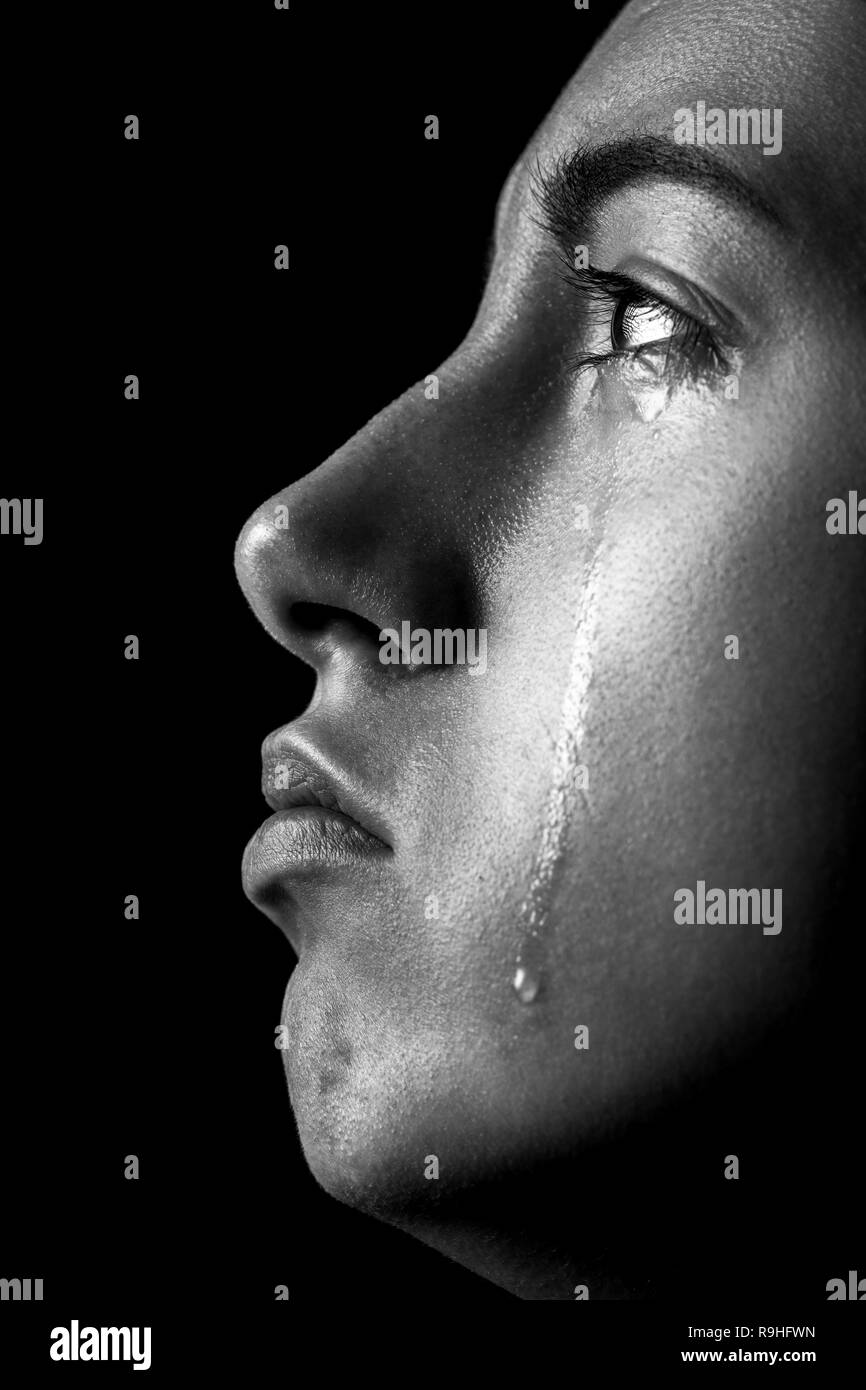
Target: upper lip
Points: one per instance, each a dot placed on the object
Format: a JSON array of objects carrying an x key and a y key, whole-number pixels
[{"x": 296, "y": 774}]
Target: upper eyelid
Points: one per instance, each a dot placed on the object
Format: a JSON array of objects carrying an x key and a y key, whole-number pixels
[
  {"x": 713, "y": 319},
  {"x": 616, "y": 285},
  {"x": 683, "y": 320},
  {"x": 610, "y": 280}
]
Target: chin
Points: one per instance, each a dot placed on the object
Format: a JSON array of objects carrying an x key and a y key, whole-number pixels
[
  {"x": 353, "y": 1153},
  {"x": 350, "y": 1108}
]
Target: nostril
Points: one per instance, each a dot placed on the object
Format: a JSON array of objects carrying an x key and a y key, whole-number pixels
[
  {"x": 317, "y": 619},
  {"x": 310, "y": 617}
]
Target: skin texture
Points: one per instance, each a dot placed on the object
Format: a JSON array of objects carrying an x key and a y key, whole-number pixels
[{"x": 706, "y": 518}]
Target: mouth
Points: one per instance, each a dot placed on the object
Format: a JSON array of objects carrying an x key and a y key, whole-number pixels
[{"x": 323, "y": 819}]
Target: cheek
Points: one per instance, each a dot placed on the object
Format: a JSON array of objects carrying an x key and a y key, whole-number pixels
[{"x": 716, "y": 728}]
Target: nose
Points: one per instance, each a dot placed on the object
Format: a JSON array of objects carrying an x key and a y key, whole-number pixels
[{"x": 375, "y": 536}]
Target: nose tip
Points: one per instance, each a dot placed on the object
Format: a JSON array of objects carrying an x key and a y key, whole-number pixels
[
  {"x": 304, "y": 596},
  {"x": 261, "y": 555},
  {"x": 256, "y": 534}
]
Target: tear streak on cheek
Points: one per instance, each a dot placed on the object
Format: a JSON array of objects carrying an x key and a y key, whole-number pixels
[{"x": 569, "y": 790}]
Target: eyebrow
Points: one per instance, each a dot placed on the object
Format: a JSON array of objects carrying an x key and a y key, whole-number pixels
[{"x": 569, "y": 191}]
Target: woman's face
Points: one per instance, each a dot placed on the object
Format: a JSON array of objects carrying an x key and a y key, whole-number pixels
[{"x": 613, "y": 529}]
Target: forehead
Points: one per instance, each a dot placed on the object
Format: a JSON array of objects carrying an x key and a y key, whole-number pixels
[{"x": 658, "y": 58}]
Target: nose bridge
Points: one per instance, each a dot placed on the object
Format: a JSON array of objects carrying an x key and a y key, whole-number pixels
[{"x": 378, "y": 530}]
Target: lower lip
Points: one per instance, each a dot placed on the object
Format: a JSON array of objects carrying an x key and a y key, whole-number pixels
[{"x": 307, "y": 837}]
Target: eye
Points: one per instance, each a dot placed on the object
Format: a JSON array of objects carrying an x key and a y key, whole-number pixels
[
  {"x": 637, "y": 322},
  {"x": 623, "y": 320}
]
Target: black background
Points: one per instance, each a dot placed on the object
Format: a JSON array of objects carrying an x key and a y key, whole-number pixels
[{"x": 156, "y": 1037}]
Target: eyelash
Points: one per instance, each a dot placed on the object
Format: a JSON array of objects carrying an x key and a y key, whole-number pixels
[{"x": 691, "y": 349}]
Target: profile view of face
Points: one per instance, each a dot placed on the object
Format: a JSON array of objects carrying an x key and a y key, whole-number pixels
[{"x": 516, "y": 983}]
